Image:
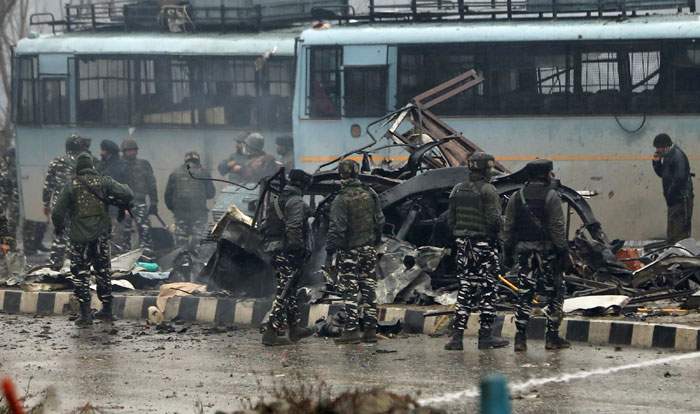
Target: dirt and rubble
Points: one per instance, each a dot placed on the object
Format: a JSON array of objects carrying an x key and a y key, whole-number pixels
[{"x": 139, "y": 370}]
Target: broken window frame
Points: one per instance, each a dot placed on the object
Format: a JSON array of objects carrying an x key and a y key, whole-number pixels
[{"x": 26, "y": 106}]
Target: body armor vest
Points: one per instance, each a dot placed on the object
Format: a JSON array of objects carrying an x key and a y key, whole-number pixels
[
  {"x": 189, "y": 195},
  {"x": 468, "y": 209},
  {"x": 274, "y": 220},
  {"x": 86, "y": 203},
  {"x": 360, "y": 207},
  {"x": 532, "y": 219}
]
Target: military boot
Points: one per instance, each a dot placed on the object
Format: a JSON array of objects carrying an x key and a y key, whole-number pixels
[
  {"x": 369, "y": 335},
  {"x": 487, "y": 340},
  {"x": 297, "y": 333},
  {"x": 456, "y": 340},
  {"x": 85, "y": 318},
  {"x": 272, "y": 338},
  {"x": 349, "y": 337},
  {"x": 105, "y": 314},
  {"x": 520, "y": 342},
  {"x": 554, "y": 341}
]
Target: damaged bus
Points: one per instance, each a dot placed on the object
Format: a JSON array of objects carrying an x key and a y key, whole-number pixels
[
  {"x": 588, "y": 92},
  {"x": 172, "y": 92}
]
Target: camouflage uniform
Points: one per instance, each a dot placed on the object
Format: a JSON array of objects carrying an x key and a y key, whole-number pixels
[
  {"x": 355, "y": 228},
  {"x": 86, "y": 199},
  {"x": 252, "y": 167},
  {"x": 535, "y": 240},
  {"x": 9, "y": 199},
  {"x": 187, "y": 199},
  {"x": 285, "y": 230},
  {"x": 60, "y": 171},
  {"x": 142, "y": 181}
]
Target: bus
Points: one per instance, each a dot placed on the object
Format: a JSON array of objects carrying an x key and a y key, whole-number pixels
[
  {"x": 588, "y": 92},
  {"x": 172, "y": 92}
]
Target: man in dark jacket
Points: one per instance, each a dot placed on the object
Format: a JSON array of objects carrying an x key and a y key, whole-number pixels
[
  {"x": 142, "y": 181},
  {"x": 354, "y": 231},
  {"x": 187, "y": 199},
  {"x": 285, "y": 231},
  {"x": 256, "y": 165},
  {"x": 111, "y": 163},
  {"x": 85, "y": 200},
  {"x": 474, "y": 217},
  {"x": 671, "y": 164},
  {"x": 535, "y": 235}
]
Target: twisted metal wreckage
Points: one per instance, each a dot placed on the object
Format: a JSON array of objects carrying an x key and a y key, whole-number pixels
[{"x": 413, "y": 267}]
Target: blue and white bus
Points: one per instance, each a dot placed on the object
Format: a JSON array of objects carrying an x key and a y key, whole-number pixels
[
  {"x": 589, "y": 93},
  {"x": 172, "y": 92}
]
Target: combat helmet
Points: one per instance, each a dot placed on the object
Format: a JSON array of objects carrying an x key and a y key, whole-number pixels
[
  {"x": 192, "y": 156},
  {"x": 480, "y": 161},
  {"x": 74, "y": 144},
  {"x": 348, "y": 168},
  {"x": 255, "y": 142},
  {"x": 129, "y": 144},
  {"x": 539, "y": 168}
]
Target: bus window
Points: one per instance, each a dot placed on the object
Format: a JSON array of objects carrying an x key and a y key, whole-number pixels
[
  {"x": 103, "y": 91},
  {"x": 422, "y": 68},
  {"x": 165, "y": 92},
  {"x": 54, "y": 106},
  {"x": 275, "y": 101},
  {"x": 324, "y": 82},
  {"x": 26, "y": 95},
  {"x": 600, "y": 82},
  {"x": 228, "y": 92},
  {"x": 644, "y": 68},
  {"x": 686, "y": 81},
  {"x": 365, "y": 90}
]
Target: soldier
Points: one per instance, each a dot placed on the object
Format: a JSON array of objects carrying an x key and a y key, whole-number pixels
[
  {"x": 285, "y": 149},
  {"x": 85, "y": 200},
  {"x": 285, "y": 230},
  {"x": 257, "y": 165},
  {"x": 111, "y": 163},
  {"x": 474, "y": 217},
  {"x": 60, "y": 171},
  {"x": 9, "y": 199},
  {"x": 142, "y": 181},
  {"x": 355, "y": 228},
  {"x": 187, "y": 198},
  {"x": 535, "y": 235},
  {"x": 238, "y": 157},
  {"x": 671, "y": 164}
]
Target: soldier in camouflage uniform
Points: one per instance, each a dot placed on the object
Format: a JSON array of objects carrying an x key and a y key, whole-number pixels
[
  {"x": 142, "y": 181},
  {"x": 535, "y": 239},
  {"x": 354, "y": 231},
  {"x": 256, "y": 165},
  {"x": 474, "y": 217},
  {"x": 85, "y": 200},
  {"x": 187, "y": 199},
  {"x": 285, "y": 229},
  {"x": 9, "y": 199},
  {"x": 60, "y": 171}
]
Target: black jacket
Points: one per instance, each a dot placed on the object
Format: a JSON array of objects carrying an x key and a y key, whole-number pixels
[
  {"x": 674, "y": 170},
  {"x": 113, "y": 167}
]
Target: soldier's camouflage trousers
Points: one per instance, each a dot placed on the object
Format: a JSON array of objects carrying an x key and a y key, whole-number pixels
[
  {"x": 143, "y": 226},
  {"x": 285, "y": 310},
  {"x": 188, "y": 232},
  {"x": 82, "y": 256},
  {"x": 478, "y": 265},
  {"x": 357, "y": 277},
  {"x": 59, "y": 247},
  {"x": 537, "y": 273}
]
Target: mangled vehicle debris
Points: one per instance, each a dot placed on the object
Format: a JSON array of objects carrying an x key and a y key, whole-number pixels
[{"x": 415, "y": 264}]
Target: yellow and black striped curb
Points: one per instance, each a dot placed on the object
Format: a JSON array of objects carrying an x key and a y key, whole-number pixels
[{"x": 251, "y": 312}]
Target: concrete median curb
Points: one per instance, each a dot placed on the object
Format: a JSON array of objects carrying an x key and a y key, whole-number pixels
[{"x": 251, "y": 312}]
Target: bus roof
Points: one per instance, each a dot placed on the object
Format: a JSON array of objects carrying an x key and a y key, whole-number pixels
[
  {"x": 637, "y": 28},
  {"x": 86, "y": 43}
]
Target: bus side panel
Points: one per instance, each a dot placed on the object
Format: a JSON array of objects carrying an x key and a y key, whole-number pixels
[{"x": 590, "y": 153}]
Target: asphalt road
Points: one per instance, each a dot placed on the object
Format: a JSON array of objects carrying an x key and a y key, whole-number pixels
[{"x": 138, "y": 370}]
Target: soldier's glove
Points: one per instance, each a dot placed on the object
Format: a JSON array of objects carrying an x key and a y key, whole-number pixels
[
  {"x": 299, "y": 254},
  {"x": 153, "y": 209},
  {"x": 566, "y": 265},
  {"x": 58, "y": 232}
]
